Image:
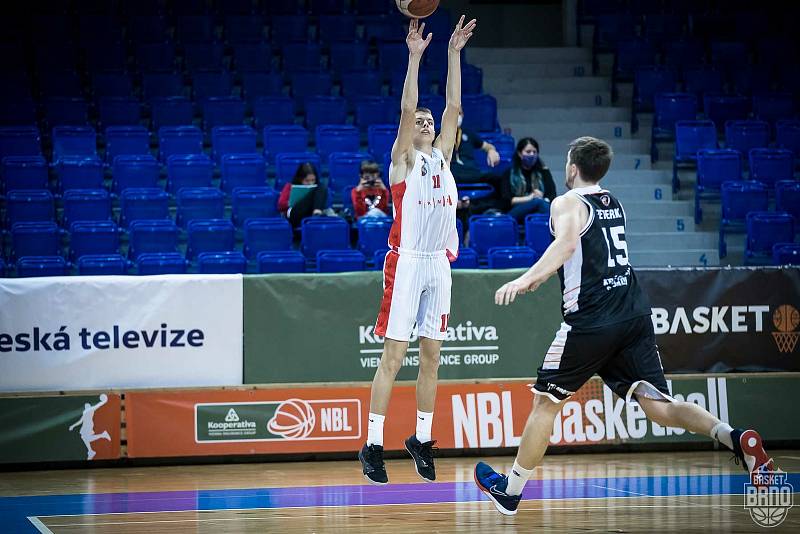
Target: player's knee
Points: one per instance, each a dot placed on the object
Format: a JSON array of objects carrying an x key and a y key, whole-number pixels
[
  {"x": 429, "y": 361},
  {"x": 391, "y": 363}
]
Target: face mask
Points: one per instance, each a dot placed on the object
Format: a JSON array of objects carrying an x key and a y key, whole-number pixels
[
  {"x": 460, "y": 120},
  {"x": 529, "y": 160}
]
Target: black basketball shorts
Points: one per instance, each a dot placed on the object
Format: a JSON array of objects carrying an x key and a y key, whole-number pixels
[{"x": 625, "y": 355}]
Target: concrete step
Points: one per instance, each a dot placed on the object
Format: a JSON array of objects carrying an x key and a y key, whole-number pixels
[
  {"x": 622, "y": 161},
  {"x": 550, "y": 144},
  {"x": 613, "y": 132},
  {"x": 539, "y": 97},
  {"x": 562, "y": 114},
  {"x": 671, "y": 240},
  {"x": 524, "y": 56},
  {"x": 658, "y": 208},
  {"x": 536, "y": 70},
  {"x": 660, "y": 224},
  {"x": 617, "y": 177},
  {"x": 628, "y": 192},
  {"x": 513, "y": 84},
  {"x": 676, "y": 258}
]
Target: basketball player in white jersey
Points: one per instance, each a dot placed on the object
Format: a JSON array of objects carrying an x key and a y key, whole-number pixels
[{"x": 423, "y": 240}]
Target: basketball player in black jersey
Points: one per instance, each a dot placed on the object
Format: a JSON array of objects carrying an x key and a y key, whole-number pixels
[{"x": 606, "y": 330}]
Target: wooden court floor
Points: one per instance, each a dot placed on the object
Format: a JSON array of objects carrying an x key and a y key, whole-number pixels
[{"x": 623, "y": 492}]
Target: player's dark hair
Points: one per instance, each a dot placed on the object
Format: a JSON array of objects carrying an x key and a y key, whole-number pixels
[
  {"x": 369, "y": 167},
  {"x": 516, "y": 161},
  {"x": 303, "y": 170},
  {"x": 592, "y": 156}
]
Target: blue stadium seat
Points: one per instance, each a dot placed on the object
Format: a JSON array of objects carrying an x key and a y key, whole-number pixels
[
  {"x": 764, "y": 230},
  {"x": 126, "y": 141},
  {"x": 372, "y": 110},
  {"x": 649, "y": 82},
  {"x": 15, "y": 111},
  {"x": 19, "y": 141},
  {"x": 171, "y": 111},
  {"x": 118, "y": 111},
  {"x": 273, "y": 110},
  {"x": 179, "y": 140},
  {"x": 701, "y": 80},
  {"x": 231, "y": 262},
  {"x": 505, "y": 146},
  {"x": 714, "y": 167},
  {"x": 327, "y": 7},
  {"x": 511, "y": 257},
  {"x": 630, "y": 55},
  {"x": 728, "y": 54},
  {"x": 325, "y": 110},
  {"x": 209, "y": 235},
  {"x": 475, "y": 190},
  {"x": 152, "y": 236},
  {"x": 233, "y": 140},
  {"x": 338, "y": 27},
  {"x": 611, "y": 28},
  {"x": 739, "y": 198},
  {"x": 253, "y": 203},
  {"x": 194, "y": 28},
  {"x": 380, "y": 138},
  {"x": 285, "y": 138},
  {"x": 138, "y": 203},
  {"x": 155, "y": 56},
  {"x": 288, "y": 28},
  {"x": 471, "y": 80},
  {"x": 669, "y": 109},
  {"x": 252, "y": 56},
  {"x": 324, "y": 233},
  {"x": 79, "y": 173},
  {"x": 150, "y": 28},
  {"x": 661, "y": 28},
  {"x": 60, "y": 82},
  {"x": 537, "y": 232},
  {"x": 371, "y": 7},
  {"x": 480, "y": 112},
  {"x": 203, "y": 55},
  {"x": 787, "y": 135},
  {"x": 210, "y": 82},
  {"x": 286, "y": 164},
  {"x": 348, "y": 55},
  {"x": 340, "y": 261},
  {"x": 300, "y": 55},
  {"x": 40, "y": 238},
  {"x": 336, "y": 138},
  {"x": 467, "y": 259},
  {"x": 383, "y": 27},
  {"x": 243, "y": 170},
  {"x": 460, "y": 231},
  {"x": 786, "y": 254},
  {"x": 244, "y": 29},
  {"x": 787, "y": 197},
  {"x": 373, "y": 234},
  {"x": 398, "y": 77},
  {"x": 24, "y": 172},
  {"x": 723, "y": 108},
  {"x": 161, "y": 84},
  {"x": 111, "y": 84},
  {"x": 66, "y": 111},
  {"x": 199, "y": 203},
  {"x": 188, "y": 170},
  {"x": 266, "y": 234},
  {"x": 772, "y": 107},
  {"x": 751, "y": 79},
  {"x": 102, "y": 265},
  {"x": 257, "y": 83},
  {"x": 344, "y": 169},
  {"x": 392, "y": 56},
  {"x": 379, "y": 258},
  {"x": 85, "y": 205},
  {"x": 691, "y": 136},
  {"x": 223, "y": 111},
  {"x": 134, "y": 171},
  {"x": 93, "y": 237},
  {"x": 31, "y": 266},
  {"x": 80, "y": 141},
  {"x": 746, "y": 135},
  {"x": 771, "y": 165},
  {"x": 281, "y": 261},
  {"x": 161, "y": 263},
  {"x": 487, "y": 231},
  {"x": 361, "y": 82}
]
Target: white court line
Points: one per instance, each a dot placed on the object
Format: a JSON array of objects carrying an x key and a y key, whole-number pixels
[
  {"x": 39, "y": 525},
  {"x": 623, "y": 491},
  {"x": 443, "y": 349}
]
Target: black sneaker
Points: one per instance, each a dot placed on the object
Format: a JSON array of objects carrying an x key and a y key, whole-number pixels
[
  {"x": 422, "y": 453},
  {"x": 371, "y": 457},
  {"x": 494, "y": 485}
]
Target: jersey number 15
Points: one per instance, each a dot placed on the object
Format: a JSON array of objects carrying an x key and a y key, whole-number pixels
[{"x": 617, "y": 238}]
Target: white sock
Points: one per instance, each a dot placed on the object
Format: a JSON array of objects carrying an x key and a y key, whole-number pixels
[
  {"x": 722, "y": 433},
  {"x": 517, "y": 479},
  {"x": 424, "y": 423},
  {"x": 375, "y": 429}
]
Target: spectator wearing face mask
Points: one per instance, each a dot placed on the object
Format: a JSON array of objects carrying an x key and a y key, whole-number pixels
[
  {"x": 527, "y": 186},
  {"x": 370, "y": 197},
  {"x": 463, "y": 163}
]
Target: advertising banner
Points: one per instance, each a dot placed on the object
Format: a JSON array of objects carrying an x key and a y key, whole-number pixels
[
  {"x": 485, "y": 415},
  {"x": 313, "y": 328},
  {"x": 726, "y": 319},
  {"x": 60, "y": 428},
  {"x": 98, "y": 332}
]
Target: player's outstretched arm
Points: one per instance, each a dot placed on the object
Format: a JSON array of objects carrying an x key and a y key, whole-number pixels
[
  {"x": 408, "y": 103},
  {"x": 449, "y": 128},
  {"x": 568, "y": 215}
]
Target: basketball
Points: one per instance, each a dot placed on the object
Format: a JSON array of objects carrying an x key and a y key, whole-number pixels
[
  {"x": 786, "y": 318},
  {"x": 417, "y": 9},
  {"x": 103, "y": 397}
]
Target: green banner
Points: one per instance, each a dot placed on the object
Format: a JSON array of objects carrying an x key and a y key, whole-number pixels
[
  {"x": 63, "y": 428},
  {"x": 320, "y": 328},
  {"x": 220, "y": 422}
]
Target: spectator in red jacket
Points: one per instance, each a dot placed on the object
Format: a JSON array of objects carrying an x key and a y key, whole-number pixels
[
  {"x": 370, "y": 197},
  {"x": 312, "y": 204}
]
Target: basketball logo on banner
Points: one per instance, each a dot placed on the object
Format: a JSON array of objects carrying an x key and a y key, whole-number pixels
[
  {"x": 294, "y": 419},
  {"x": 786, "y": 319}
]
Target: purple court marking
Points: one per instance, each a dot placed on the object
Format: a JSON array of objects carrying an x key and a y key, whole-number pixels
[{"x": 14, "y": 510}]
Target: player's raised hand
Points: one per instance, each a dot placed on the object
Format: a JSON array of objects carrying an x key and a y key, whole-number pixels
[
  {"x": 462, "y": 33},
  {"x": 416, "y": 44}
]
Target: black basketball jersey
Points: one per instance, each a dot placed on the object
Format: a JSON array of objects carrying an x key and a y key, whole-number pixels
[{"x": 598, "y": 284}]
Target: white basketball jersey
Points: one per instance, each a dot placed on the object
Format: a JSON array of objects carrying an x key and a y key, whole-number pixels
[{"x": 425, "y": 208}]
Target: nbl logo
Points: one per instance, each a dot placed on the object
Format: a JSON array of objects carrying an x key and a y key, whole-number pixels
[{"x": 294, "y": 419}]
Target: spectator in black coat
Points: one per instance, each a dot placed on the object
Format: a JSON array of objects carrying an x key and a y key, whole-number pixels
[{"x": 527, "y": 186}]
